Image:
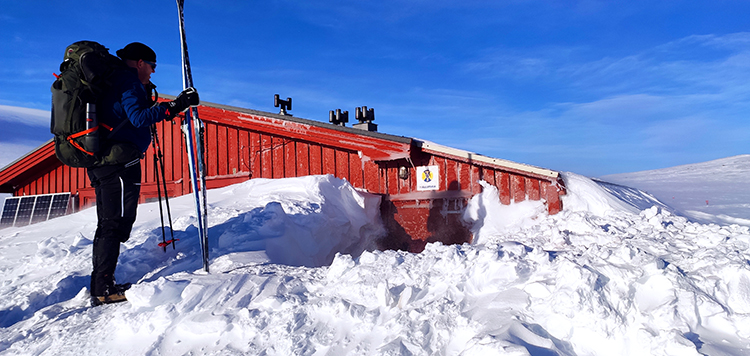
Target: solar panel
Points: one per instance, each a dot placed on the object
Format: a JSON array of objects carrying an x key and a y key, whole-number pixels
[
  {"x": 60, "y": 203},
  {"x": 25, "y": 209},
  {"x": 30, "y": 209},
  {"x": 9, "y": 212},
  {"x": 41, "y": 209}
]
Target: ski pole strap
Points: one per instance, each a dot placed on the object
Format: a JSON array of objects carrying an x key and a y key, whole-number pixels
[
  {"x": 153, "y": 95},
  {"x": 168, "y": 242}
]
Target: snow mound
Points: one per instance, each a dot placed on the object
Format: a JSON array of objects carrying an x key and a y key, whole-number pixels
[
  {"x": 489, "y": 217},
  {"x": 303, "y": 221}
]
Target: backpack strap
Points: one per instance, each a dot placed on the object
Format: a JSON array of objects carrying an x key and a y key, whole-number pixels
[
  {"x": 76, "y": 135},
  {"x": 76, "y": 145}
]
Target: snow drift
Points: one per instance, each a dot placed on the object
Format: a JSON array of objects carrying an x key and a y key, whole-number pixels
[{"x": 293, "y": 273}]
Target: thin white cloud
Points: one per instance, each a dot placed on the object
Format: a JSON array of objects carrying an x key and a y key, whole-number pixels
[
  {"x": 676, "y": 134},
  {"x": 739, "y": 41},
  {"x": 31, "y": 117},
  {"x": 690, "y": 64},
  {"x": 9, "y": 152},
  {"x": 504, "y": 63}
]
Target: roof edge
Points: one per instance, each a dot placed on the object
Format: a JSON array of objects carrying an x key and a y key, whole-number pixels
[{"x": 485, "y": 159}]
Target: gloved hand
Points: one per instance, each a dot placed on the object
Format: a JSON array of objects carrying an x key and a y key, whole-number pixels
[{"x": 187, "y": 98}]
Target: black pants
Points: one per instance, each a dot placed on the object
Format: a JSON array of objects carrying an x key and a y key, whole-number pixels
[{"x": 117, "y": 189}]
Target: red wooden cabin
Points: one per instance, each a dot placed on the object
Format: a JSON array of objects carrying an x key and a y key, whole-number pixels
[{"x": 243, "y": 144}]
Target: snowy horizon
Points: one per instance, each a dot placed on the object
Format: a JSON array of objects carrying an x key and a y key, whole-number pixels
[{"x": 293, "y": 271}]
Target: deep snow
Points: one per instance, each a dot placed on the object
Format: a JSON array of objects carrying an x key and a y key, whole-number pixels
[{"x": 609, "y": 275}]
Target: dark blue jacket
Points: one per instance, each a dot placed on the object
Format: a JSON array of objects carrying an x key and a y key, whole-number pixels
[{"x": 127, "y": 100}]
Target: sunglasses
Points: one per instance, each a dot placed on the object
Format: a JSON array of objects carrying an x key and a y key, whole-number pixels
[{"x": 152, "y": 64}]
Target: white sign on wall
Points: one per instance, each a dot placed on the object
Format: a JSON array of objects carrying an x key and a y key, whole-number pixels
[{"x": 428, "y": 178}]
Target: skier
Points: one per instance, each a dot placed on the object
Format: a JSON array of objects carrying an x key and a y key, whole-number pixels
[{"x": 127, "y": 107}]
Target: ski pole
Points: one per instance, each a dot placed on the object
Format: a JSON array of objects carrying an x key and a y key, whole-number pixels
[
  {"x": 163, "y": 243},
  {"x": 166, "y": 193},
  {"x": 159, "y": 164}
]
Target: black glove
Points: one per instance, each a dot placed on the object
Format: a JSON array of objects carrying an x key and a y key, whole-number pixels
[{"x": 188, "y": 97}]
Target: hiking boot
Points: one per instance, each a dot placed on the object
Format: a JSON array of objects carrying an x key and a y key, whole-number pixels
[
  {"x": 108, "y": 299},
  {"x": 117, "y": 295}
]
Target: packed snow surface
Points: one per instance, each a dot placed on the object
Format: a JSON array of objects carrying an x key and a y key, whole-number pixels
[{"x": 294, "y": 272}]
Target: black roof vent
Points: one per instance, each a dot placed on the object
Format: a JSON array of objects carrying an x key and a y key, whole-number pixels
[
  {"x": 338, "y": 118},
  {"x": 284, "y": 105},
  {"x": 365, "y": 117}
]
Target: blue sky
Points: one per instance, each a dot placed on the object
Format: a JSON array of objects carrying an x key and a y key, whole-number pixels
[{"x": 593, "y": 87}]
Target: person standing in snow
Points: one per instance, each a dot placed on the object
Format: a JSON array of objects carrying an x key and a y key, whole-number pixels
[{"x": 128, "y": 108}]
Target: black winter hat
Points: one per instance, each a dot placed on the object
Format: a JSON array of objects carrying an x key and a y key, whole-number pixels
[{"x": 136, "y": 51}]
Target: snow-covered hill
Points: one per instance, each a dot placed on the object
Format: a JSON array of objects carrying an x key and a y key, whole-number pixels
[
  {"x": 708, "y": 192},
  {"x": 602, "y": 277}
]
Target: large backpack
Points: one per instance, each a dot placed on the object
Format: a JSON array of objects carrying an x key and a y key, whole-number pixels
[{"x": 85, "y": 74}]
